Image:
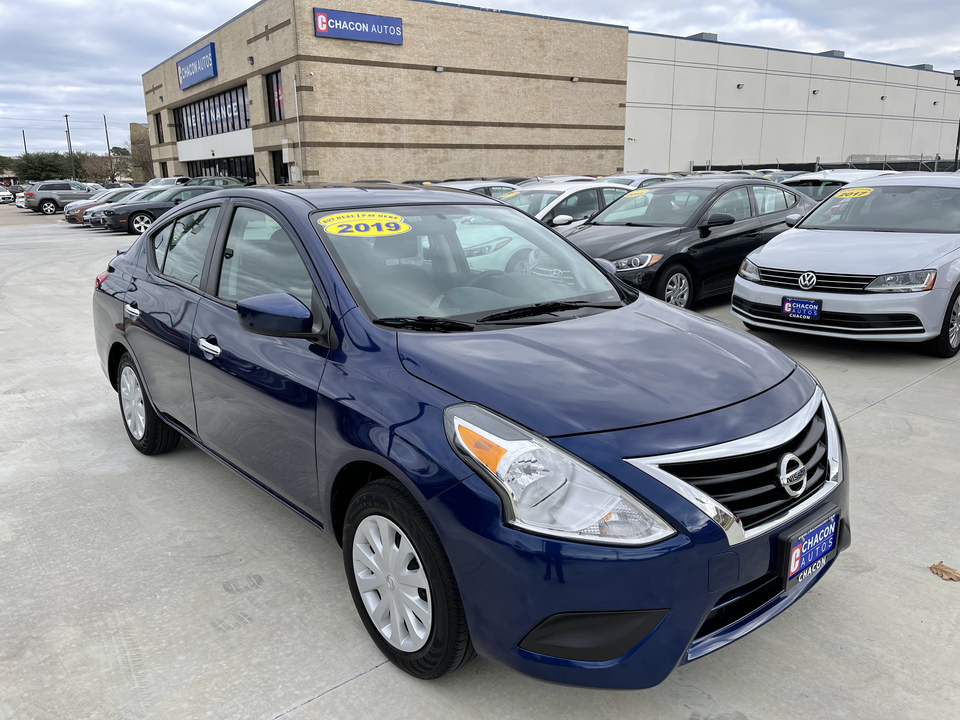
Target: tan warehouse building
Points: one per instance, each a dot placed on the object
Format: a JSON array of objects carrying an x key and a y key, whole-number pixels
[{"x": 465, "y": 92}]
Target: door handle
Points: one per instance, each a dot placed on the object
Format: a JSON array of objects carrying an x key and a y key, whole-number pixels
[
  {"x": 131, "y": 310},
  {"x": 209, "y": 347}
]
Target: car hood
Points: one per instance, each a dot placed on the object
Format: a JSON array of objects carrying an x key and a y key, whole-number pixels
[
  {"x": 852, "y": 252},
  {"x": 616, "y": 241},
  {"x": 643, "y": 364}
]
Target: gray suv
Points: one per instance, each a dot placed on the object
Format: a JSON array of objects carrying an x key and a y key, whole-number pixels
[{"x": 50, "y": 196}]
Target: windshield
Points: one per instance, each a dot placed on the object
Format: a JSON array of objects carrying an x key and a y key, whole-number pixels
[
  {"x": 910, "y": 208},
  {"x": 530, "y": 201},
  {"x": 456, "y": 261},
  {"x": 662, "y": 206}
]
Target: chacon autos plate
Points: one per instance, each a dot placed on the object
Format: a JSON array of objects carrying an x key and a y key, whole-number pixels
[
  {"x": 809, "y": 551},
  {"x": 800, "y": 309}
]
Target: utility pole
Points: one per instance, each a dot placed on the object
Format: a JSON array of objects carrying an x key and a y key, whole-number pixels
[
  {"x": 73, "y": 172},
  {"x": 109, "y": 152},
  {"x": 24, "y": 133}
]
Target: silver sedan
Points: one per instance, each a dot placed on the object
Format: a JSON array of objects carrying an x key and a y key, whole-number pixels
[{"x": 879, "y": 260}]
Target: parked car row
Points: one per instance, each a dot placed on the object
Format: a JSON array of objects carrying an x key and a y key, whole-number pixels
[{"x": 131, "y": 209}]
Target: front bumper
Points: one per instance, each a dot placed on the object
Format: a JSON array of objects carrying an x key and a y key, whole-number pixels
[
  {"x": 551, "y": 608},
  {"x": 115, "y": 222},
  {"x": 897, "y": 317}
]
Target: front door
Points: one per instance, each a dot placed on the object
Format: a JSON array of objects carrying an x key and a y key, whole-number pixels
[
  {"x": 721, "y": 251},
  {"x": 256, "y": 396}
]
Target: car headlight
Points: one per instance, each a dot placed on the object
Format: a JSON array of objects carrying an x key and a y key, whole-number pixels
[
  {"x": 544, "y": 488},
  {"x": 637, "y": 262},
  {"x": 107, "y": 212},
  {"x": 904, "y": 282},
  {"x": 487, "y": 248},
  {"x": 749, "y": 271}
]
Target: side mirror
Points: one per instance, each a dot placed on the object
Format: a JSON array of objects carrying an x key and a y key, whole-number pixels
[
  {"x": 561, "y": 220},
  {"x": 792, "y": 219},
  {"x": 607, "y": 265},
  {"x": 719, "y": 220},
  {"x": 276, "y": 315}
]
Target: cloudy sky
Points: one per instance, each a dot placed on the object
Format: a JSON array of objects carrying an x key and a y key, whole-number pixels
[{"x": 85, "y": 57}]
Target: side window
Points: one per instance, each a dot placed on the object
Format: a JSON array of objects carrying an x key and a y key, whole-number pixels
[
  {"x": 611, "y": 194},
  {"x": 180, "y": 248},
  {"x": 78, "y": 186},
  {"x": 580, "y": 205},
  {"x": 768, "y": 199},
  {"x": 651, "y": 181},
  {"x": 498, "y": 190},
  {"x": 261, "y": 259},
  {"x": 733, "y": 202},
  {"x": 791, "y": 198}
]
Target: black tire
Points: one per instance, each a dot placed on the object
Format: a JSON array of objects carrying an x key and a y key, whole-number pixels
[
  {"x": 141, "y": 220},
  {"x": 941, "y": 346},
  {"x": 447, "y": 646},
  {"x": 48, "y": 207},
  {"x": 669, "y": 286},
  {"x": 517, "y": 259},
  {"x": 157, "y": 437}
]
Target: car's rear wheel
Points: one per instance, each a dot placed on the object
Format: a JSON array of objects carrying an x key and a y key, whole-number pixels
[
  {"x": 518, "y": 262},
  {"x": 147, "y": 431},
  {"x": 947, "y": 343},
  {"x": 48, "y": 207},
  {"x": 139, "y": 222},
  {"x": 675, "y": 286},
  {"x": 402, "y": 583}
]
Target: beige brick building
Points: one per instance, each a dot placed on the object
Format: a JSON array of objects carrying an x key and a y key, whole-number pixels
[{"x": 468, "y": 93}]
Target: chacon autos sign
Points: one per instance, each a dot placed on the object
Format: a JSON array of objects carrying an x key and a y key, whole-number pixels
[
  {"x": 198, "y": 66},
  {"x": 358, "y": 26}
]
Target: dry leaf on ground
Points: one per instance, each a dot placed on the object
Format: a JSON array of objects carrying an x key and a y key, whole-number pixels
[{"x": 947, "y": 573}]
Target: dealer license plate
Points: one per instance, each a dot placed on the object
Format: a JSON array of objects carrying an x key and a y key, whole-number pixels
[
  {"x": 800, "y": 309},
  {"x": 810, "y": 551}
]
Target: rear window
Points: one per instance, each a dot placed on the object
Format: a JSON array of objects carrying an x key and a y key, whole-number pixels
[{"x": 908, "y": 209}]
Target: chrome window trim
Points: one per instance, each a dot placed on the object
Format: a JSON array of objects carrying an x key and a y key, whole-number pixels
[{"x": 764, "y": 440}]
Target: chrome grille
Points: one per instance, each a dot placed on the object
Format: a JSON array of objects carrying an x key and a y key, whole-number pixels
[
  {"x": 749, "y": 485},
  {"x": 826, "y": 282}
]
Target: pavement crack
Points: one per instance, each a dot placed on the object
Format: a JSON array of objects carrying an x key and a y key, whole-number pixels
[{"x": 328, "y": 690}]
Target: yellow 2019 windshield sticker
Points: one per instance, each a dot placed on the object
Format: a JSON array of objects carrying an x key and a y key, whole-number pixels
[
  {"x": 853, "y": 193},
  {"x": 637, "y": 193},
  {"x": 510, "y": 194},
  {"x": 364, "y": 224}
]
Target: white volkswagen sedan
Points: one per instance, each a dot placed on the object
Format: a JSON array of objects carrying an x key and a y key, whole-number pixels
[
  {"x": 565, "y": 203},
  {"x": 876, "y": 261}
]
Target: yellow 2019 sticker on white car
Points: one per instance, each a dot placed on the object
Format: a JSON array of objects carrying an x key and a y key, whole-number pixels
[
  {"x": 854, "y": 193},
  {"x": 364, "y": 224},
  {"x": 637, "y": 193}
]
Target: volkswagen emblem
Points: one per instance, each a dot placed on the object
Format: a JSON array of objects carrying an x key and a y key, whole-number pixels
[
  {"x": 807, "y": 281},
  {"x": 793, "y": 475}
]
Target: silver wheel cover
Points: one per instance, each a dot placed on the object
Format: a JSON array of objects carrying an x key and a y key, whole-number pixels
[
  {"x": 954, "y": 328},
  {"x": 392, "y": 583},
  {"x": 141, "y": 223},
  {"x": 677, "y": 291},
  {"x": 131, "y": 402}
]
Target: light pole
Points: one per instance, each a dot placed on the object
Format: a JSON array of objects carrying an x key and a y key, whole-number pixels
[
  {"x": 956, "y": 154},
  {"x": 73, "y": 172}
]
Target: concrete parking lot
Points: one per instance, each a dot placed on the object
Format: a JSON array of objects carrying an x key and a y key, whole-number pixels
[{"x": 169, "y": 587}]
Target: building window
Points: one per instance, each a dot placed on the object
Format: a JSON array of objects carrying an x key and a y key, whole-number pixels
[
  {"x": 281, "y": 170},
  {"x": 239, "y": 167},
  {"x": 163, "y": 170},
  {"x": 158, "y": 122},
  {"x": 222, "y": 113},
  {"x": 274, "y": 97}
]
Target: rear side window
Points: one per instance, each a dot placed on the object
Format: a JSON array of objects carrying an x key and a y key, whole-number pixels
[
  {"x": 769, "y": 199},
  {"x": 611, "y": 194},
  {"x": 55, "y": 186},
  {"x": 261, "y": 259},
  {"x": 181, "y": 247}
]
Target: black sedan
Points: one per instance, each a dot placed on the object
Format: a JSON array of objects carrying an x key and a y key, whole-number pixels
[
  {"x": 684, "y": 240},
  {"x": 136, "y": 217}
]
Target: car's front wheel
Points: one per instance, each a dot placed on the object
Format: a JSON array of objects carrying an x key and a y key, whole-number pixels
[
  {"x": 48, "y": 207},
  {"x": 675, "y": 286},
  {"x": 402, "y": 582},
  {"x": 146, "y": 430},
  {"x": 138, "y": 223},
  {"x": 947, "y": 343}
]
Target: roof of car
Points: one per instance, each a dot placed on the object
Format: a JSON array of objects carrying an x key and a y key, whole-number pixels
[
  {"x": 335, "y": 196},
  {"x": 927, "y": 179},
  {"x": 715, "y": 181},
  {"x": 467, "y": 184},
  {"x": 562, "y": 187},
  {"x": 848, "y": 175}
]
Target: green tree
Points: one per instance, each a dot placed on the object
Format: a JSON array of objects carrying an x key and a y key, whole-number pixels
[
  {"x": 42, "y": 166},
  {"x": 119, "y": 151}
]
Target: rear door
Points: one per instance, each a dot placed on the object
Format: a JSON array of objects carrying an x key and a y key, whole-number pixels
[
  {"x": 719, "y": 254},
  {"x": 773, "y": 205},
  {"x": 160, "y": 306},
  {"x": 256, "y": 396}
]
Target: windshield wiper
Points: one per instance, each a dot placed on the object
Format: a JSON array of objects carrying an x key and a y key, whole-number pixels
[
  {"x": 631, "y": 224},
  {"x": 421, "y": 322},
  {"x": 544, "y": 308}
]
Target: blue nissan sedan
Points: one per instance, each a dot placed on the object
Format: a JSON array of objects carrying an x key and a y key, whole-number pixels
[{"x": 549, "y": 470}]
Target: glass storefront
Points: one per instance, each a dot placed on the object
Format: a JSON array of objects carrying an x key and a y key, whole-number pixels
[
  {"x": 222, "y": 113},
  {"x": 239, "y": 167}
]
